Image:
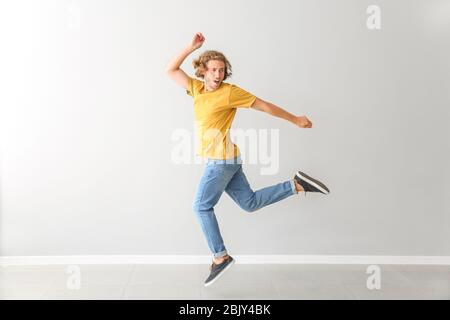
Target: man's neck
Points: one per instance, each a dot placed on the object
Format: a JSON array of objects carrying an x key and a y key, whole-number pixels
[{"x": 207, "y": 89}]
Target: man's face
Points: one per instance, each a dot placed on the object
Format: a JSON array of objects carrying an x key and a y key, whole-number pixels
[{"x": 214, "y": 74}]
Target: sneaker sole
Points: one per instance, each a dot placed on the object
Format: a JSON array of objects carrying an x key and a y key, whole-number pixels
[
  {"x": 313, "y": 182},
  {"x": 220, "y": 274}
]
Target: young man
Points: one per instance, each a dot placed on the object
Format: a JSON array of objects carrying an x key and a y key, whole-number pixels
[{"x": 215, "y": 104}]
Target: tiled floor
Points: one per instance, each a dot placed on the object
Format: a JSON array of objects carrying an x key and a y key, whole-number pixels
[{"x": 241, "y": 282}]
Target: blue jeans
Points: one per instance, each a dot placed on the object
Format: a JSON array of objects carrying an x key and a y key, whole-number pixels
[{"x": 227, "y": 175}]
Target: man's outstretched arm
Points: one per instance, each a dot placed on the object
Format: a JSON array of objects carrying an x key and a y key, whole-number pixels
[
  {"x": 173, "y": 68},
  {"x": 270, "y": 108}
]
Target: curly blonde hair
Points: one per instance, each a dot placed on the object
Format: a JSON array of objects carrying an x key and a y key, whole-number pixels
[{"x": 200, "y": 64}]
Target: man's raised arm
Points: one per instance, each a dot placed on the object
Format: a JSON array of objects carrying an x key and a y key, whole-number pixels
[{"x": 173, "y": 68}]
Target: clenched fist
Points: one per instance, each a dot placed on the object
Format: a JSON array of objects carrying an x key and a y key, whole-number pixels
[
  {"x": 197, "y": 41},
  {"x": 303, "y": 122}
]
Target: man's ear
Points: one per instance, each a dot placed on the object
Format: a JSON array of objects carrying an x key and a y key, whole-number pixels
[{"x": 201, "y": 71}]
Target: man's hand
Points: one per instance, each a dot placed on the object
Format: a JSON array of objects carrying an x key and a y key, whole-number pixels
[
  {"x": 197, "y": 41},
  {"x": 303, "y": 122}
]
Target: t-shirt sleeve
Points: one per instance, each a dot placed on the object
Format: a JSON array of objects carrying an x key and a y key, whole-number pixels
[
  {"x": 239, "y": 98},
  {"x": 193, "y": 86}
]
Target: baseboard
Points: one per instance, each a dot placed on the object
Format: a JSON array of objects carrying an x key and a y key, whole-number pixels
[{"x": 241, "y": 259}]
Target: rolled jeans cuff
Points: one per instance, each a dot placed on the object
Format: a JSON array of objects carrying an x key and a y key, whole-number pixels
[
  {"x": 221, "y": 254},
  {"x": 294, "y": 189}
]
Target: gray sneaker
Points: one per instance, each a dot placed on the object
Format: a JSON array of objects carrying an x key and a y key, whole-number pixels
[
  {"x": 217, "y": 270},
  {"x": 310, "y": 184}
]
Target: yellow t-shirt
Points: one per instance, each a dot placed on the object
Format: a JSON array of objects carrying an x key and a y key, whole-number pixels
[{"x": 214, "y": 113}]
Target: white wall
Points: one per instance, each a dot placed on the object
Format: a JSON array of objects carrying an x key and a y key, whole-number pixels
[{"x": 87, "y": 114}]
